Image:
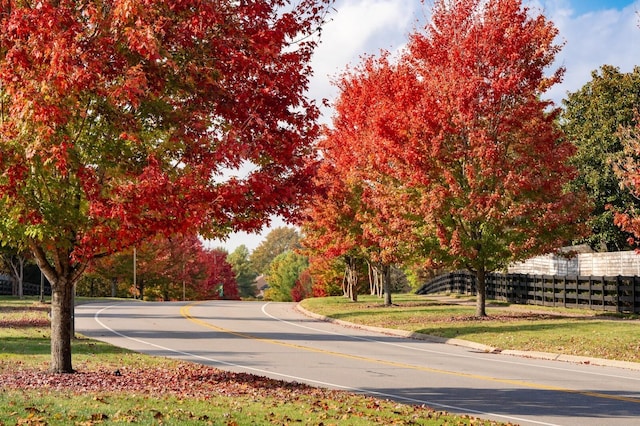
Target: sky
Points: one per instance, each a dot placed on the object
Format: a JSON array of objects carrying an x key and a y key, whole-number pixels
[{"x": 594, "y": 33}]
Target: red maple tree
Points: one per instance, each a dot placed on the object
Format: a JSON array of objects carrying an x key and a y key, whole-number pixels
[
  {"x": 496, "y": 162},
  {"x": 457, "y": 152},
  {"x": 168, "y": 268},
  {"x": 220, "y": 281},
  {"x": 121, "y": 119},
  {"x": 357, "y": 214},
  {"x": 332, "y": 232}
]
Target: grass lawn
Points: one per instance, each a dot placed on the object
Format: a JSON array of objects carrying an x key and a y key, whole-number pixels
[
  {"x": 530, "y": 328},
  {"x": 115, "y": 386}
]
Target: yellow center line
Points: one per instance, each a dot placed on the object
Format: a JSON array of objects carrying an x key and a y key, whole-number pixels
[{"x": 185, "y": 311}]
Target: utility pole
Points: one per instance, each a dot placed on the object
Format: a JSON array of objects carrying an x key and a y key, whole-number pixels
[
  {"x": 41, "y": 286},
  {"x": 135, "y": 284}
]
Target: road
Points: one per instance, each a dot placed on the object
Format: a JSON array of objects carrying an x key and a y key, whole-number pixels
[{"x": 277, "y": 341}]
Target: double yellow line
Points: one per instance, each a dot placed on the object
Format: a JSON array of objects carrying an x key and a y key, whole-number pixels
[{"x": 185, "y": 311}]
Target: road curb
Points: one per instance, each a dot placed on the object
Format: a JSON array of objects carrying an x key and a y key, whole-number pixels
[{"x": 478, "y": 346}]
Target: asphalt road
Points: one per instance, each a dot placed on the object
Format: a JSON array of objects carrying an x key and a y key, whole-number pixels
[{"x": 275, "y": 340}]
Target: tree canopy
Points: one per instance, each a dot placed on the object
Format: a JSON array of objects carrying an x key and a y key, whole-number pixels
[
  {"x": 456, "y": 147},
  {"x": 284, "y": 272},
  {"x": 221, "y": 280},
  {"x": 120, "y": 119},
  {"x": 244, "y": 272},
  {"x": 593, "y": 119},
  {"x": 278, "y": 241},
  {"x": 350, "y": 216},
  {"x": 496, "y": 164}
]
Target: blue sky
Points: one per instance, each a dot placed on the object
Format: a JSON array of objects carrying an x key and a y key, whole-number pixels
[
  {"x": 585, "y": 6},
  {"x": 595, "y": 33}
]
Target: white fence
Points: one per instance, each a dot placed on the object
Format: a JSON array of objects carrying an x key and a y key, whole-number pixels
[{"x": 626, "y": 263}]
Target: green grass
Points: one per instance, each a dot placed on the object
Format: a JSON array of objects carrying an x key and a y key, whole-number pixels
[
  {"x": 150, "y": 390},
  {"x": 25, "y": 339},
  {"x": 529, "y": 328},
  {"x": 64, "y": 409}
]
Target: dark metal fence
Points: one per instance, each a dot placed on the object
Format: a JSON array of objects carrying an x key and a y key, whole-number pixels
[
  {"x": 28, "y": 289},
  {"x": 612, "y": 294}
]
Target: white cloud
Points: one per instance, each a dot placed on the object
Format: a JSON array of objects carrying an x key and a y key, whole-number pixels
[
  {"x": 250, "y": 240},
  {"x": 594, "y": 39},
  {"x": 358, "y": 27}
]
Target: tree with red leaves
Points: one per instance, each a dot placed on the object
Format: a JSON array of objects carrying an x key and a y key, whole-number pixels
[
  {"x": 220, "y": 282},
  {"x": 627, "y": 169},
  {"x": 331, "y": 229},
  {"x": 352, "y": 216},
  {"x": 166, "y": 268},
  {"x": 495, "y": 164},
  {"x": 169, "y": 268},
  {"x": 303, "y": 287},
  {"x": 121, "y": 119},
  {"x": 455, "y": 148}
]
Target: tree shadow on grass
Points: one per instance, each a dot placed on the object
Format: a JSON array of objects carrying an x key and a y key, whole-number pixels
[
  {"x": 25, "y": 345},
  {"x": 42, "y": 346},
  {"x": 446, "y": 311},
  {"x": 459, "y": 328}
]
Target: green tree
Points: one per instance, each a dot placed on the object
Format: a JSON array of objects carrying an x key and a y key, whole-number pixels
[
  {"x": 244, "y": 272},
  {"x": 284, "y": 272},
  {"x": 278, "y": 241},
  {"x": 592, "y": 119}
]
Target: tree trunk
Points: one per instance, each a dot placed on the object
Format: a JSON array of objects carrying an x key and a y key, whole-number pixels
[
  {"x": 17, "y": 266},
  {"x": 62, "y": 274},
  {"x": 21, "y": 277},
  {"x": 61, "y": 317},
  {"x": 344, "y": 281},
  {"x": 386, "y": 284},
  {"x": 352, "y": 279},
  {"x": 372, "y": 278},
  {"x": 41, "y": 287},
  {"x": 376, "y": 279},
  {"x": 481, "y": 292}
]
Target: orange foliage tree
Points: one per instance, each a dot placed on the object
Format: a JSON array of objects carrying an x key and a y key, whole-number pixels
[
  {"x": 352, "y": 216},
  {"x": 627, "y": 168}
]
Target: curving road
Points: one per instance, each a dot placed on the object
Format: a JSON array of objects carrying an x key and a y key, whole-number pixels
[{"x": 275, "y": 340}]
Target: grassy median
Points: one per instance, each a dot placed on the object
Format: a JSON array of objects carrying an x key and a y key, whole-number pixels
[
  {"x": 115, "y": 386},
  {"x": 530, "y": 328}
]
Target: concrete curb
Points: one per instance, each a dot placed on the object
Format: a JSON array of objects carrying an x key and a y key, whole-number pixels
[{"x": 478, "y": 346}]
